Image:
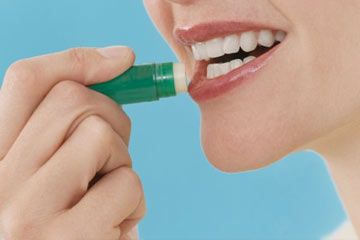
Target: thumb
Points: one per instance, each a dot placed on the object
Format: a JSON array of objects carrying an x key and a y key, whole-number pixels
[
  {"x": 117, "y": 58},
  {"x": 100, "y": 64}
]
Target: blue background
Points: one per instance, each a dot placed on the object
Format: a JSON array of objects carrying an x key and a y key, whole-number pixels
[{"x": 186, "y": 197}]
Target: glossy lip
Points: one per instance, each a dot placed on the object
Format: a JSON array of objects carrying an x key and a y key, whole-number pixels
[{"x": 200, "y": 87}]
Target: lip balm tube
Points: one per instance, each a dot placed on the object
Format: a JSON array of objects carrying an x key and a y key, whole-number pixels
[{"x": 144, "y": 83}]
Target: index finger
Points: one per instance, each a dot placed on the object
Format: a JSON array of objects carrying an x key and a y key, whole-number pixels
[{"x": 28, "y": 81}]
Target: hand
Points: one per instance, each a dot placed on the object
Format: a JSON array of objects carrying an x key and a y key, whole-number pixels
[{"x": 65, "y": 170}]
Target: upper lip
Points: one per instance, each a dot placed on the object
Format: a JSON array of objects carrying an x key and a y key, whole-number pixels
[{"x": 205, "y": 31}]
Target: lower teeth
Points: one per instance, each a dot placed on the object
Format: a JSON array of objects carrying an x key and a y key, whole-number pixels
[{"x": 218, "y": 69}]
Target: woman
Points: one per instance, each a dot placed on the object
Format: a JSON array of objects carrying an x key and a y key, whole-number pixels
[{"x": 254, "y": 111}]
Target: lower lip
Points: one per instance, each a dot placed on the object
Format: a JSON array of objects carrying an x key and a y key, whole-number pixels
[{"x": 202, "y": 89}]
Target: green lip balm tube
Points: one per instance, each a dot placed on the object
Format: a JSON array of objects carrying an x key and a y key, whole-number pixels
[{"x": 144, "y": 83}]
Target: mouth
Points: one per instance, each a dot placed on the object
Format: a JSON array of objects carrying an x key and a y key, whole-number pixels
[{"x": 226, "y": 55}]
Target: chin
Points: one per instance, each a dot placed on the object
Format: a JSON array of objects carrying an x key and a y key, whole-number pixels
[
  {"x": 235, "y": 139},
  {"x": 230, "y": 152}
]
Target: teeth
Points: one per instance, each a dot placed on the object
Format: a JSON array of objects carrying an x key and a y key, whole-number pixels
[
  {"x": 199, "y": 51},
  {"x": 195, "y": 52},
  {"x": 219, "y": 69},
  {"x": 248, "y": 59},
  {"x": 266, "y": 38},
  {"x": 231, "y": 44},
  {"x": 248, "y": 41},
  {"x": 216, "y": 70},
  {"x": 210, "y": 71},
  {"x": 214, "y": 47},
  {"x": 235, "y": 64},
  {"x": 225, "y": 68},
  {"x": 280, "y": 36}
]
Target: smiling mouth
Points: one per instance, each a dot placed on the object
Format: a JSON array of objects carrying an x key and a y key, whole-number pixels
[{"x": 227, "y": 55}]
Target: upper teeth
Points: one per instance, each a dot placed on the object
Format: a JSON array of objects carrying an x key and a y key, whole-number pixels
[
  {"x": 247, "y": 41},
  {"x": 266, "y": 38}
]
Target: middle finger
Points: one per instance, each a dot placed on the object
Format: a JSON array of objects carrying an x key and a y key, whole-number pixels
[{"x": 67, "y": 105}]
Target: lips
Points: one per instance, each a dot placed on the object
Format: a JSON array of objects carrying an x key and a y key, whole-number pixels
[{"x": 201, "y": 87}]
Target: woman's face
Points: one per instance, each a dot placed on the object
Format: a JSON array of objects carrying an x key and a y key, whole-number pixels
[{"x": 293, "y": 93}]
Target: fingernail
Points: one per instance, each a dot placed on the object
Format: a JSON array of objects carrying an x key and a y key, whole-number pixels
[{"x": 114, "y": 52}]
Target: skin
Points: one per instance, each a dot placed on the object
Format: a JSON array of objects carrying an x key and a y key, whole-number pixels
[
  {"x": 311, "y": 103},
  {"x": 64, "y": 162}
]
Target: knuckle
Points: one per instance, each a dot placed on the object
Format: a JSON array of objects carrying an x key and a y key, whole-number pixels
[
  {"x": 102, "y": 132},
  {"x": 133, "y": 180},
  {"x": 77, "y": 56},
  {"x": 100, "y": 137},
  {"x": 80, "y": 59},
  {"x": 69, "y": 94},
  {"x": 21, "y": 73},
  {"x": 14, "y": 226},
  {"x": 141, "y": 210}
]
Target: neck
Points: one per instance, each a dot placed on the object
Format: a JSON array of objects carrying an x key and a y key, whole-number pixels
[{"x": 341, "y": 149}]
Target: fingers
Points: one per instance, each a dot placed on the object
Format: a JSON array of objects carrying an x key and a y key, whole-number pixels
[
  {"x": 93, "y": 147},
  {"x": 65, "y": 107},
  {"x": 27, "y": 82},
  {"x": 107, "y": 204},
  {"x": 62, "y": 182}
]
